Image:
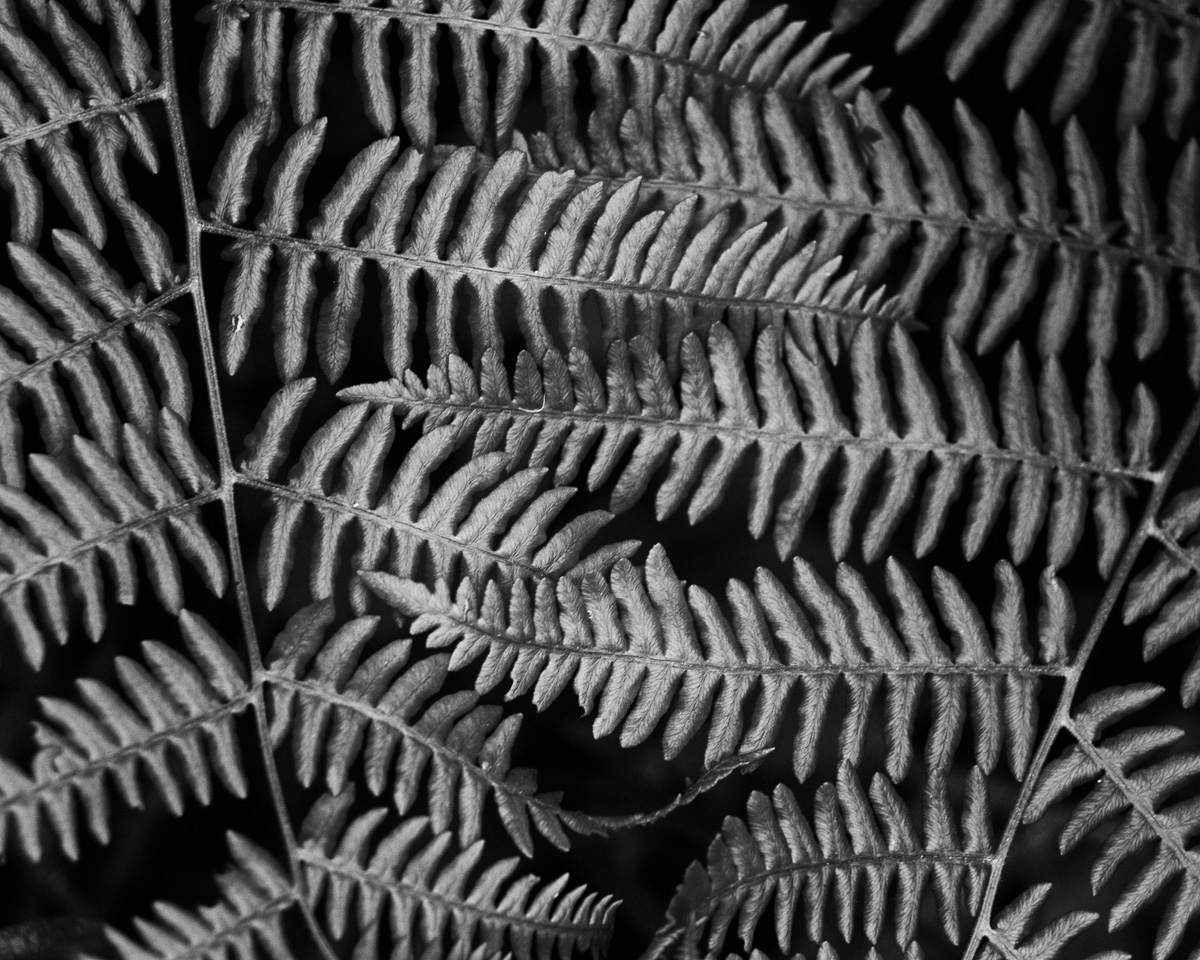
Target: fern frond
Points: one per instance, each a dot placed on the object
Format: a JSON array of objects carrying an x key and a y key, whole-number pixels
[
  {"x": 101, "y": 96},
  {"x": 1169, "y": 588},
  {"x": 438, "y": 907},
  {"x": 59, "y": 361},
  {"x": 339, "y": 707},
  {"x": 1159, "y": 36},
  {"x": 632, "y": 51},
  {"x": 905, "y": 199},
  {"x": 174, "y": 721},
  {"x": 572, "y": 260},
  {"x": 1011, "y": 935},
  {"x": 704, "y": 428},
  {"x": 855, "y": 841},
  {"x": 642, "y": 647},
  {"x": 254, "y": 893},
  {"x": 1129, "y": 783},
  {"x": 99, "y": 508},
  {"x": 483, "y": 514}
]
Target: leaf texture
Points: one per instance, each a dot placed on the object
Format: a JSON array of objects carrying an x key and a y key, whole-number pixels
[
  {"x": 632, "y": 52},
  {"x": 433, "y": 904},
  {"x": 569, "y": 260},
  {"x": 642, "y": 647},
  {"x": 172, "y": 718},
  {"x": 1027, "y": 446},
  {"x": 857, "y": 843},
  {"x": 99, "y": 507},
  {"x": 483, "y": 514}
]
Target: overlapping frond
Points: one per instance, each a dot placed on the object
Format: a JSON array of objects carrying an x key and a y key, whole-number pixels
[
  {"x": 484, "y": 514},
  {"x": 100, "y": 95},
  {"x": 246, "y": 919},
  {"x": 1039, "y": 455},
  {"x": 624, "y": 54},
  {"x": 855, "y": 185},
  {"x": 856, "y": 843},
  {"x": 572, "y": 262},
  {"x": 642, "y": 647},
  {"x": 406, "y": 886},
  {"x": 96, "y": 508},
  {"x": 1160, "y": 40},
  {"x": 1168, "y": 588},
  {"x": 413, "y": 739},
  {"x": 63, "y": 350},
  {"x": 171, "y": 721},
  {"x": 1013, "y": 934},
  {"x": 1133, "y": 779}
]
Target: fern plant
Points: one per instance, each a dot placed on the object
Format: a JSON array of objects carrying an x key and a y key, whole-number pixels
[{"x": 670, "y": 479}]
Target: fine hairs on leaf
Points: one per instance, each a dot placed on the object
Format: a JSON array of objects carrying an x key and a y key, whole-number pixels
[{"x": 545, "y": 479}]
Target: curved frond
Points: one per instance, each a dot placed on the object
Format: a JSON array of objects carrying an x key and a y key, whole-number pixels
[
  {"x": 909, "y": 199},
  {"x": 572, "y": 261},
  {"x": 96, "y": 509},
  {"x": 254, "y": 893},
  {"x": 63, "y": 350},
  {"x": 1160, "y": 39},
  {"x": 411, "y": 737},
  {"x": 630, "y": 51},
  {"x": 1169, "y": 588},
  {"x": 1039, "y": 454},
  {"x": 484, "y": 514},
  {"x": 642, "y": 647},
  {"x": 434, "y": 904},
  {"x": 855, "y": 841},
  {"x": 1134, "y": 779},
  {"x": 172, "y": 719}
]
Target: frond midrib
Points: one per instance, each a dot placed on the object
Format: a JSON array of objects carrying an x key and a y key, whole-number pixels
[
  {"x": 66, "y": 778},
  {"x": 401, "y": 888},
  {"x": 953, "y": 670},
  {"x": 409, "y": 732},
  {"x": 87, "y": 341},
  {"x": 203, "y": 949},
  {"x": 886, "y": 860},
  {"x": 788, "y": 439},
  {"x": 485, "y": 26},
  {"x": 408, "y": 528},
  {"x": 44, "y": 129},
  {"x": 531, "y": 277},
  {"x": 113, "y": 533},
  {"x": 1169, "y": 838}
]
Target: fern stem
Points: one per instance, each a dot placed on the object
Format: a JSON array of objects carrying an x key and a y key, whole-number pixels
[
  {"x": 763, "y": 669},
  {"x": 568, "y": 41},
  {"x": 497, "y": 275},
  {"x": 193, "y": 225},
  {"x": 405, "y": 528},
  {"x": 1062, "y": 714},
  {"x": 116, "y": 532},
  {"x": 110, "y": 761},
  {"x": 1170, "y": 839},
  {"x": 87, "y": 341},
  {"x": 124, "y": 105},
  {"x": 787, "y": 439}
]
